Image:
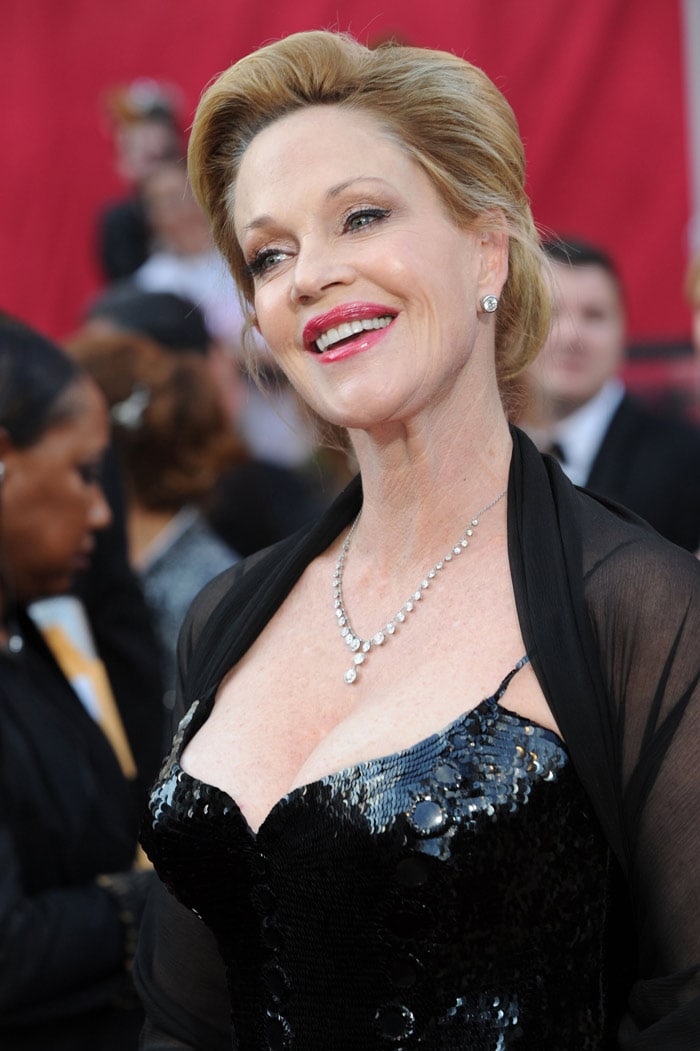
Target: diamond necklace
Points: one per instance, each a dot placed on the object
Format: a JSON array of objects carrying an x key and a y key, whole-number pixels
[{"x": 360, "y": 647}]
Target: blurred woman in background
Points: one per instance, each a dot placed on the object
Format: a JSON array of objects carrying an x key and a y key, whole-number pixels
[
  {"x": 70, "y": 893},
  {"x": 174, "y": 439}
]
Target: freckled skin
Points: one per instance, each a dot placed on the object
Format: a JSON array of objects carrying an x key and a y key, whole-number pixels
[{"x": 335, "y": 224}]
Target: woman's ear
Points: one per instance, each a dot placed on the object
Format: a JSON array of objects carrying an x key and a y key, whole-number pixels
[{"x": 493, "y": 247}]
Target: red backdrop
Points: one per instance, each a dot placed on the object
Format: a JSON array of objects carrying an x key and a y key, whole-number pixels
[{"x": 597, "y": 88}]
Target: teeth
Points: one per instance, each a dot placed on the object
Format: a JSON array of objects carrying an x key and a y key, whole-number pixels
[{"x": 350, "y": 328}]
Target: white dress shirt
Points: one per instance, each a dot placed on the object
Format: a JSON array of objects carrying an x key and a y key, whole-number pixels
[{"x": 580, "y": 435}]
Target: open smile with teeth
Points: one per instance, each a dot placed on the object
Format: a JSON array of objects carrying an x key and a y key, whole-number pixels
[{"x": 348, "y": 329}]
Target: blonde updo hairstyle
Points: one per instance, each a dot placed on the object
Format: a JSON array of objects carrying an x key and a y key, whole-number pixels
[{"x": 447, "y": 115}]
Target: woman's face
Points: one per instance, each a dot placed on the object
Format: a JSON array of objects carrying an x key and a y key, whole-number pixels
[
  {"x": 179, "y": 225},
  {"x": 365, "y": 291},
  {"x": 52, "y": 501}
]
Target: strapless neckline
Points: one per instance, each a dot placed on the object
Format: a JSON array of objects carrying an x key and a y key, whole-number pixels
[{"x": 199, "y": 712}]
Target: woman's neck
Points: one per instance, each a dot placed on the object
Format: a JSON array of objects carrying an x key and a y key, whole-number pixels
[{"x": 420, "y": 488}]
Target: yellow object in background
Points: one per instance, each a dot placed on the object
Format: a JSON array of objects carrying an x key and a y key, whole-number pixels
[{"x": 64, "y": 625}]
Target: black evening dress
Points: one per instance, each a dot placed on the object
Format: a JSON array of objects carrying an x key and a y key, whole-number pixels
[
  {"x": 453, "y": 895},
  {"x": 471, "y": 891}
]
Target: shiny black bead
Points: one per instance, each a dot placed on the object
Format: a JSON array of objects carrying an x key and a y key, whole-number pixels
[
  {"x": 277, "y": 982},
  {"x": 278, "y": 1033},
  {"x": 272, "y": 935},
  {"x": 395, "y": 1022},
  {"x": 428, "y": 818}
]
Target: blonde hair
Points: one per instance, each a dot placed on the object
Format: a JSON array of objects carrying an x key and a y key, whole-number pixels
[{"x": 445, "y": 112}]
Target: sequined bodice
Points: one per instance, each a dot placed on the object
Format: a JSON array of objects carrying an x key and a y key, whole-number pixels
[{"x": 449, "y": 896}]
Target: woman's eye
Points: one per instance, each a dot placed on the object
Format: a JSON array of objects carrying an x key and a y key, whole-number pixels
[
  {"x": 91, "y": 473},
  {"x": 265, "y": 260},
  {"x": 365, "y": 217}
]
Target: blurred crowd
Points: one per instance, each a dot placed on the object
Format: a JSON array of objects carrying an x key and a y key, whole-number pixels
[{"x": 137, "y": 462}]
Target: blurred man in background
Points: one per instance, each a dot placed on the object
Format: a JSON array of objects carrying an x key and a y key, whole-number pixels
[{"x": 577, "y": 409}]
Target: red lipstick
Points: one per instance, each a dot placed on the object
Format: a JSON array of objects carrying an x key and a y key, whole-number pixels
[{"x": 338, "y": 315}]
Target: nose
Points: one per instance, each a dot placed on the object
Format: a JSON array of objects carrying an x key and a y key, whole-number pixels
[
  {"x": 318, "y": 266},
  {"x": 100, "y": 514}
]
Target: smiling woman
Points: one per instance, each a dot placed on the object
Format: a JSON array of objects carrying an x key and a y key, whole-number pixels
[
  {"x": 375, "y": 853},
  {"x": 374, "y": 235}
]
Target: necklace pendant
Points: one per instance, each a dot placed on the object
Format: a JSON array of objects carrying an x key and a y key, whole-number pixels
[
  {"x": 359, "y": 658},
  {"x": 360, "y": 647}
]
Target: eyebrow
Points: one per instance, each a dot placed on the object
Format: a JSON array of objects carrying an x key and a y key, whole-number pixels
[{"x": 334, "y": 191}]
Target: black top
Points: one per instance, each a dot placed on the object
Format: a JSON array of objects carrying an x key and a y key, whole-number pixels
[
  {"x": 67, "y": 815},
  {"x": 611, "y": 619},
  {"x": 454, "y": 894}
]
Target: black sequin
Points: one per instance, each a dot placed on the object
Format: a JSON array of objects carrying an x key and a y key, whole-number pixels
[{"x": 451, "y": 896}]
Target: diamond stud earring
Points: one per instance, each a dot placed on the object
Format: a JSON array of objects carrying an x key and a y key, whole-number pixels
[{"x": 489, "y": 304}]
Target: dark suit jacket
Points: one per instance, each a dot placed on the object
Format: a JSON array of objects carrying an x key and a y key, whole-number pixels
[
  {"x": 67, "y": 814},
  {"x": 651, "y": 464}
]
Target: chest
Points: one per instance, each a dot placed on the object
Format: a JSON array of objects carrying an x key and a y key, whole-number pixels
[{"x": 285, "y": 715}]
